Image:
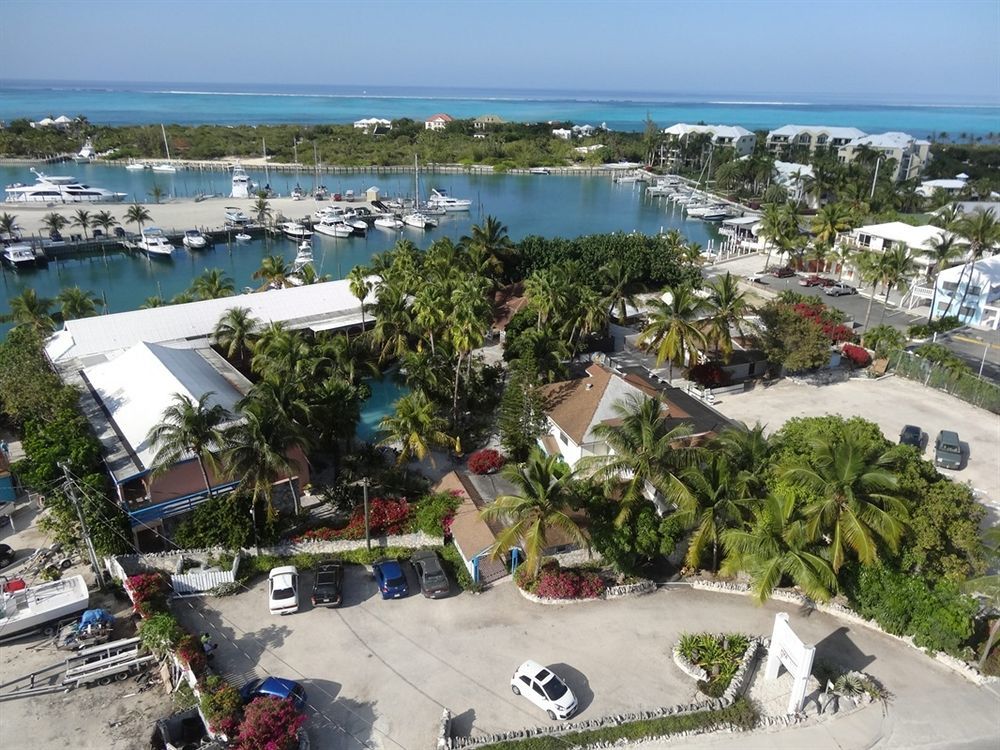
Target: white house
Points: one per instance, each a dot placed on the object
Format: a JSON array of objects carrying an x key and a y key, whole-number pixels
[
  {"x": 955, "y": 185},
  {"x": 979, "y": 285},
  {"x": 919, "y": 240},
  {"x": 438, "y": 122},
  {"x": 910, "y": 154},
  {"x": 371, "y": 124},
  {"x": 733, "y": 136},
  {"x": 780, "y": 140},
  {"x": 564, "y": 133}
]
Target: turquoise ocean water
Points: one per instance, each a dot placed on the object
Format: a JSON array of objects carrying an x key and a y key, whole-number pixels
[{"x": 118, "y": 104}]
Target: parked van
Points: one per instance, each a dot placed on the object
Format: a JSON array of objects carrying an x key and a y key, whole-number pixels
[{"x": 948, "y": 450}]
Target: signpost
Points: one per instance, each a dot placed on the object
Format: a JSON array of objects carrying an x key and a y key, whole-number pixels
[{"x": 789, "y": 651}]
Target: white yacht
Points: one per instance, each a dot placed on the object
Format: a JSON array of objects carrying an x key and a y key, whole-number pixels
[
  {"x": 243, "y": 237},
  {"x": 42, "y": 605},
  {"x": 152, "y": 241},
  {"x": 19, "y": 256},
  {"x": 389, "y": 222},
  {"x": 242, "y": 185},
  {"x": 294, "y": 230},
  {"x": 86, "y": 152},
  {"x": 136, "y": 166},
  {"x": 440, "y": 199},
  {"x": 333, "y": 226},
  {"x": 304, "y": 254},
  {"x": 418, "y": 220},
  {"x": 236, "y": 217},
  {"x": 539, "y": 170},
  {"x": 59, "y": 189},
  {"x": 194, "y": 240}
]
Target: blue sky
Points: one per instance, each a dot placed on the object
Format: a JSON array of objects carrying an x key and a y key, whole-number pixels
[{"x": 924, "y": 51}]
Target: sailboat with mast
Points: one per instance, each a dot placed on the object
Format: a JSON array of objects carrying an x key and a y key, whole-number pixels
[
  {"x": 416, "y": 218},
  {"x": 168, "y": 167}
]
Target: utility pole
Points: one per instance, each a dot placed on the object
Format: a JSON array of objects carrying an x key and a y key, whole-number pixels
[
  {"x": 368, "y": 535},
  {"x": 71, "y": 490}
]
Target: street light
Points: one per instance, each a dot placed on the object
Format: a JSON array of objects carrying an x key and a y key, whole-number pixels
[{"x": 364, "y": 482}]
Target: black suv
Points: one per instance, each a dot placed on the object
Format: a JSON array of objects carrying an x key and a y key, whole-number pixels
[{"x": 328, "y": 585}]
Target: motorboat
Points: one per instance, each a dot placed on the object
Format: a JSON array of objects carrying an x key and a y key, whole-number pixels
[
  {"x": 152, "y": 241},
  {"x": 194, "y": 240},
  {"x": 333, "y": 226},
  {"x": 136, "y": 166},
  {"x": 418, "y": 220},
  {"x": 86, "y": 153},
  {"x": 59, "y": 189},
  {"x": 700, "y": 211},
  {"x": 19, "y": 256},
  {"x": 304, "y": 255},
  {"x": 243, "y": 237},
  {"x": 538, "y": 170},
  {"x": 242, "y": 184},
  {"x": 389, "y": 222},
  {"x": 440, "y": 199},
  {"x": 717, "y": 214},
  {"x": 294, "y": 230},
  {"x": 43, "y": 605},
  {"x": 236, "y": 217}
]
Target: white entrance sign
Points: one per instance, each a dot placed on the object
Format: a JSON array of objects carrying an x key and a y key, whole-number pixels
[{"x": 788, "y": 651}]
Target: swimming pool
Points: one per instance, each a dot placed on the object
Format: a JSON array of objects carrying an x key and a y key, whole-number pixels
[{"x": 385, "y": 392}]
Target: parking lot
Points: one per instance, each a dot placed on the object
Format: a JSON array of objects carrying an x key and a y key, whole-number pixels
[
  {"x": 890, "y": 403},
  {"x": 379, "y": 673}
]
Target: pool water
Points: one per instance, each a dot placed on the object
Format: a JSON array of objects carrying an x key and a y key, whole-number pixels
[{"x": 385, "y": 392}]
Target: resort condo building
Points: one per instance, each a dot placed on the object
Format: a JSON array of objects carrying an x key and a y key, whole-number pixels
[
  {"x": 732, "y": 136},
  {"x": 909, "y": 155},
  {"x": 782, "y": 140},
  {"x": 971, "y": 293}
]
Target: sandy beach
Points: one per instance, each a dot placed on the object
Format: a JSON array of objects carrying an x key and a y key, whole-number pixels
[{"x": 174, "y": 215}]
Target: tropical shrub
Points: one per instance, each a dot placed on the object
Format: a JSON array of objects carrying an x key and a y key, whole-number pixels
[
  {"x": 719, "y": 655},
  {"x": 385, "y": 516},
  {"x": 858, "y": 356},
  {"x": 189, "y": 650},
  {"x": 884, "y": 340},
  {"x": 221, "y": 704},
  {"x": 149, "y": 593},
  {"x": 553, "y": 582},
  {"x": 435, "y": 513},
  {"x": 269, "y": 724},
  {"x": 709, "y": 375},
  {"x": 160, "y": 632},
  {"x": 223, "y": 521},
  {"x": 918, "y": 331},
  {"x": 486, "y": 461}
]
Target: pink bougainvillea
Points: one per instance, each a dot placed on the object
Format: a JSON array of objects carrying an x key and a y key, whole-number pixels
[
  {"x": 486, "y": 461},
  {"x": 385, "y": 516},
  {"x": 567, "y": 583},
  {"x": 269, "y": 724}
]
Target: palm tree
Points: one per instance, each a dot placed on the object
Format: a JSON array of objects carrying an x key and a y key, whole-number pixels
[
  {"x": 309, "y": 275},
  {"x": 842, "y": 255},
  {"x": 137, "y": 215},
  {"x": 870, "y": 271},
  {"x": 151, "y": 302},
  {"x": 749, "y": 452},
  {"x": 54, "y": 222},
  {"x": 852, "y": 498},
  {"x": 27, "y": 308},
  {"x": 361, "y": 287},
  {"x": 212, "y": 284},
  {"x": 415, "y": 427},
  {"x": 393, "y": 321},
  {"x": 429, "y": 313},
  {"x": 942, "y": 252},
  {"x": 190, "y": 427},
  {"x": 897, "y": 266},
  {"x": 545, "y": 492},
  {"x": 646, "y": 457},
  {"x": 982, "y": 230},
  {"x": 717, "y": 501},
  {"x": 490, "y": 241},
  {"x": 773, "y": 228},
  {"x": 235, "y": 333},
  {"x": 257, "y": 449},
  {"x": 77, "y": 303},
  {"x": 548, "y": 294},
  {"x": 274, "y": 271},
  {"x": 261, "y": 210},
  {"x": 776, "y": 546},
  {"x": 8, "y": 224},
  {"x": 81, "y": 218},
  {"x": 830, "y": 220},
  {"x": 104, "y": 220},
  {"x": 728, "y": 308},
  {"x": 617, "y": 285},
  {"x": 156, "y": 192},
  {"x": 673, "y": 328}
]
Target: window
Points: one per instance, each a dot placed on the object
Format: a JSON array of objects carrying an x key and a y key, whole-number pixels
[
  {"x": 538, "y": 690},
  {"x": 525, "y": 680},
  {"x": 563, "y": 438}
]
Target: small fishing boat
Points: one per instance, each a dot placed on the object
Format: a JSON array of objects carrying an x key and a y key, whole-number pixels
[
  {"x": 538, "y": 170},
  {"x": 418, "y": 220},
  {"x": 390, "y": 223},
  {"x": 136, "y": 166},
  {"x": 19, "y": 256},
  {"x": 243, "y": 237},
  {"x": 153, "y": 242},
  {"x": 194, "y": 240},
  {"x": 42, "y": 605},
  {"x": 86, "y": 153},
  {"x": 294, "y": 230},
  {"x": 440, "y": 199},
  {"x": 333, "y": 226}
]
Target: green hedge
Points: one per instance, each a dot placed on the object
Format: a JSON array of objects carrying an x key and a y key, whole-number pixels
[{"x": 740, "y": 715}]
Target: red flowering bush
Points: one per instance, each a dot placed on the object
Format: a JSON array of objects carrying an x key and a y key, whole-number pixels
[
  {"x": 486, "y": 461},
  {"x": 149, "y": 593},
  {"x": 385, "y": 516},
  {"x": 269, "y": 724},
  {"x": 190, "y": 651},
  {"x": 708, "y": 374},
  {"x": 858, "y": 356},
  {"x": 818, "y": 313},
  {"x": 221, "y": 704},
  {"x": 555, "y": 583}
]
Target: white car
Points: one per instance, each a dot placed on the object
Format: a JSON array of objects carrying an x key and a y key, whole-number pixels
[
  {"x": 543, "y": 688},
  {"x": 283, "y": 590}
]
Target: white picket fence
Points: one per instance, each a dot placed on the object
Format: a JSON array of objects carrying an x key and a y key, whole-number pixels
[{"x": 188, "y": 584}]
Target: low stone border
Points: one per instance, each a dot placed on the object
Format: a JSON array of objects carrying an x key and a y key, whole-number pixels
[
  {"x": 542, "y": 600},
  {"x": 844, "y": 613},
  {"x": 743, "y": 673},
  {"x": 691, "y": 669}
]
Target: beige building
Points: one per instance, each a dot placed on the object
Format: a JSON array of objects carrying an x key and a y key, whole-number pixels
[
  {"x": 732, "y": 136},
  {"x": 909, "y": 155},
  {"x": 781, "y": 140},
  {"x": 485, "y": 122}
]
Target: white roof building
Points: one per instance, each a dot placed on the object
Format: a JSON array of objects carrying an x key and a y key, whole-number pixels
[
  {"x": 137, "y": 386},
  {"x": 919, "y": 240},
  {"x": 325, "y": 306},
  {"x": 980, "y": 290},
  {"x": 372, "y": 122},
  {"x": 734, "y": 136},
  {"x": 811, "y": 136},
  {"x": 929, "y": 187},
  {"x": 910, "y": 154}
]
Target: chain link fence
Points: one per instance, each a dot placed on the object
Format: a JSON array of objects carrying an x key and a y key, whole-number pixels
[{"x": 963, "y": 384}]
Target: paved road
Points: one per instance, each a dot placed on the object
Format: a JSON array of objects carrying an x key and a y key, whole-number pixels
[{"x": 380, "y": 673}]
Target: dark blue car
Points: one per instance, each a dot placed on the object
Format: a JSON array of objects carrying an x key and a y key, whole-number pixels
[
  {"x": 390, "y": 579},
  {"x": 275, "y": 687}
]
